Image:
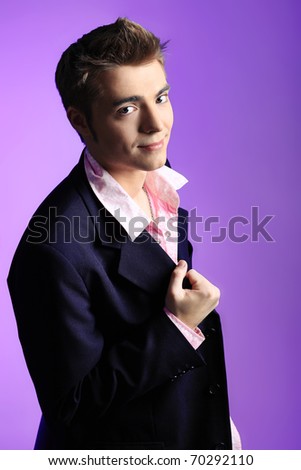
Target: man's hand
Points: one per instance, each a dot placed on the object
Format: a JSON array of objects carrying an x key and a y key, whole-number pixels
[{"x": 191, "y": 306}]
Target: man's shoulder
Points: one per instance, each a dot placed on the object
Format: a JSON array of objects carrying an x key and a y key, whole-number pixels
[
  {"x": 66, "y": 194},
  {"x": 63, "y": 214}
]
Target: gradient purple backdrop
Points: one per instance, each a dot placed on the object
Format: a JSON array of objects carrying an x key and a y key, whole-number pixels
[{"x": 235, "y": 71}]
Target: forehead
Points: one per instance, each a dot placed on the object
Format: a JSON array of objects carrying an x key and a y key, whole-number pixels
[{"x": 126, "y": 80}]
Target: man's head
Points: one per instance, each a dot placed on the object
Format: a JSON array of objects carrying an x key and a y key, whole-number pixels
[
  {"x": 113, "y": 85},
  {"x": 79, "y": 71}
]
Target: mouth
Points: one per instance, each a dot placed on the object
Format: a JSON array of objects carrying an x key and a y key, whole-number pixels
[{"x": 153, "y": 146}]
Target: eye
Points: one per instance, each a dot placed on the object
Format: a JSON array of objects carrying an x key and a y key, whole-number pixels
[
  {"x": 126, "y": 110},
  {"x": 162, "y": 98}
]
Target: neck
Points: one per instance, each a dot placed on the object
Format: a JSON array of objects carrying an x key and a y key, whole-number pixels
[{"x": 131, "y": 181}]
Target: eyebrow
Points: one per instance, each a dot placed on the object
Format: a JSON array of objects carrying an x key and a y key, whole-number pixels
[{"x": 137, "y": 97}]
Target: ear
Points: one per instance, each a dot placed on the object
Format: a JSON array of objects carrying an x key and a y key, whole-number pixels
[{"x": 79, "y": 122}]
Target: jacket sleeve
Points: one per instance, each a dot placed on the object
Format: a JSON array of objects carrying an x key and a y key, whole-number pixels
[{"x": 77, "y": 375}]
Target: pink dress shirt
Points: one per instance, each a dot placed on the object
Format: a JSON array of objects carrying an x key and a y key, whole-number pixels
[{"x": 161, "y": 186}]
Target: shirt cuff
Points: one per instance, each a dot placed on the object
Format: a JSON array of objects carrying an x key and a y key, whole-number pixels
[
  {"x": 236, "y": 441},
  {"x": 194, "y": 336}
]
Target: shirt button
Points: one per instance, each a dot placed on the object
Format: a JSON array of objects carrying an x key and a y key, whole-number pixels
[{"x": 167, "y": 234}]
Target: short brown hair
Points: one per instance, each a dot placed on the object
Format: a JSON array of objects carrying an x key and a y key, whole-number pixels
[{"x": 121, "y": 43}]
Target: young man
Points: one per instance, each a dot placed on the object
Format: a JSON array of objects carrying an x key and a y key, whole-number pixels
[{"x": 122, "y": 342}]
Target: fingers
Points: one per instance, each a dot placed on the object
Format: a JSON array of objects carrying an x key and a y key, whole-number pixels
[
  {"x": 195, "y": 278},
  {"x": 190, "y": 305},
  {"x": 176, "y": 279},
  {"x": 201, "y": 284}
]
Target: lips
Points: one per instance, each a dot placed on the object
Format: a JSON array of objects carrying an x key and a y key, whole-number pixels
[{"x": 153, "y": 146}]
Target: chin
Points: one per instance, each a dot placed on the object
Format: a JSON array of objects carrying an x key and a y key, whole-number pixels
[{"x": 158, "y": 162}]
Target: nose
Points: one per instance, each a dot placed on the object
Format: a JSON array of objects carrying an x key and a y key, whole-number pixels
[{"x": 151, "y": 120}]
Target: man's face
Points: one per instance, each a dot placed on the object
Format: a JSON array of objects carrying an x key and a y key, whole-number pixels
[{"x": 132, "y": 119}]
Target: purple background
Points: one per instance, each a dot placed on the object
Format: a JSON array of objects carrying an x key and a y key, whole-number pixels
[{"x": 234, "y": 67}]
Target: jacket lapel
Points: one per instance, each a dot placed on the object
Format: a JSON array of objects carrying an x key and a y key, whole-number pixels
[{"x": 143, "y": 262}]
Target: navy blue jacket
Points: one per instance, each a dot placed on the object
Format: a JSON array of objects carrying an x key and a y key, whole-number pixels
[{"x": 111, "y": 371}]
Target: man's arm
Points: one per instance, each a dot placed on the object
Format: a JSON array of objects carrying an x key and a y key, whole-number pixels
[{"x": 78, "y": 377}]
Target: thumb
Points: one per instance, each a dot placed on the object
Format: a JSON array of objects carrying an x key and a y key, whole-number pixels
[{"x": 177, "y": 277}]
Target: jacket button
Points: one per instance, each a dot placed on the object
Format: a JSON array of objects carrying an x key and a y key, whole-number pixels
[
  {"x": 213, "y": 389},
  {"x": 188, "y": 367},
  {"x": 220, "y": 446}
]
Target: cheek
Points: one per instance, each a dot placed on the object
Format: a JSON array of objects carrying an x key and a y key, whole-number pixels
[
  {"x": 111, "y": 135},
  {"x": 126, "y": 132},
  {"x": 169, "y": 117},
  {"x": 119, "y": 141}
]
